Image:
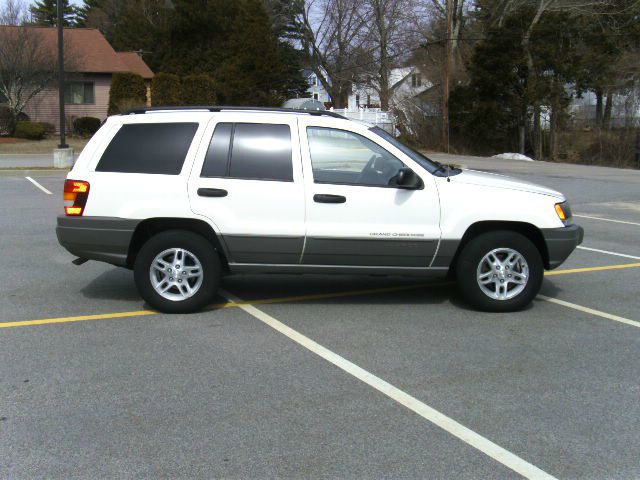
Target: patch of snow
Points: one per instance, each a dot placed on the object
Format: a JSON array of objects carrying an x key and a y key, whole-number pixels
[{"x": 514, "y": 156}]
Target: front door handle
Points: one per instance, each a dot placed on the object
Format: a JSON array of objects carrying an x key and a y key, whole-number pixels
[
  {"x": 327, "y": 198},
  {"x": 212, "y": 192}
]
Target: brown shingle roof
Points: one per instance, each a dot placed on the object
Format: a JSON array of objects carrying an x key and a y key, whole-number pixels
[
  {"x": 135, "y": 64},
  {"x": 89, "y": 51}
]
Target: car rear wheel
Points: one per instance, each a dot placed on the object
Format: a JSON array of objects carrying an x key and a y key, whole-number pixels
[
  {"x": 177, "y": 271},
  {"x": 500, "y": 271}
]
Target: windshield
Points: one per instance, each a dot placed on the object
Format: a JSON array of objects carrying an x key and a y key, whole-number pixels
[{"x": 430, "y": 165}]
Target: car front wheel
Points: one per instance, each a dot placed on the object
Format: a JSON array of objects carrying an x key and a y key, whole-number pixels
[
  {"x": 177, "y": 271},
  {"x": 500, "y": 271}
]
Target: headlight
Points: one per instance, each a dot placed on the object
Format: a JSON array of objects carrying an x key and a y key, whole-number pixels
[{"x": 564, "y": 212}]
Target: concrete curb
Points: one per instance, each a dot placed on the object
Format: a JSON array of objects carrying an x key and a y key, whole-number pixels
[{"x": 21, "y": 172}]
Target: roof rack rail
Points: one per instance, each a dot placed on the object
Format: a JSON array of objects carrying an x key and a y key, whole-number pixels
[{"x": 319, "y": 113}]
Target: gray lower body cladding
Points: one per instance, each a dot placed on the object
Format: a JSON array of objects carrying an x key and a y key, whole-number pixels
[
  {"x": 561, "y": 242},
  {"x": 263, "y": 249},
  {"x": 105, "y": 239},
  {"x": 369, "y": 252}
]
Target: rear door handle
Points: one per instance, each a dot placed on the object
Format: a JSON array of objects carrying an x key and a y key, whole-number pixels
[
  {"x": 327, "y": 198},
  {"x": 212, "y": 192}
]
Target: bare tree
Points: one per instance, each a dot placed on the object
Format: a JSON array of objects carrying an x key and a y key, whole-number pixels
[
  {"x": 331, "y": 33},
  {"x": 388, "y": 38},
  {"x": 455, "y": 9},
  {"x": 13, "y": 12},
  {"x": 28, "y": 65}
]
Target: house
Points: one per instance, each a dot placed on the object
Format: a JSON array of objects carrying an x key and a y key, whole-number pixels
[
  {"x": 315, "y": 89},
  {"x": 406, "y": 82},
  {"x": 93, "y": 62},
  {"x": 625, "y": 108}
]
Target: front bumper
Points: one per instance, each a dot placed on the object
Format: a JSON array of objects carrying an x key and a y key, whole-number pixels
[
  {"x": 561, "y": 242},
  {"x": 105, "y": 239}
]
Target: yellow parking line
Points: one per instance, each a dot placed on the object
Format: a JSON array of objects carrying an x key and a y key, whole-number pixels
[
  {"x": 300, "y": 298},
  {"x": 592, "y": 269},
  {"x": 79, "y": 318},
  {"x": 139, "y": 313}
]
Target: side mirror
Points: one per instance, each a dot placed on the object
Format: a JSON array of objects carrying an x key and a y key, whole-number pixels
[{"x": 407, "y": 179}]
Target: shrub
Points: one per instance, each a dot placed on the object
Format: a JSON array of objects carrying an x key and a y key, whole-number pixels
[
  {"x": 86, "y": 126},
  {"x": 30, "y": 130},
  {"x": 49, "y": 128},
  {"x": 127, "y": 90},
  {"x": 7, "y": 121},
  {"x": 166, "y": 90},
  {"x": 199, "y": 90}
]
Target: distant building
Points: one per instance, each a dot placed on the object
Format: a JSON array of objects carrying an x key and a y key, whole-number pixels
[
  {"x": 315, "y": 88},
  {"x": 87, "y": 88},
  {"x": 625, "y": 109},
  {"x": 405, "y": 82}
]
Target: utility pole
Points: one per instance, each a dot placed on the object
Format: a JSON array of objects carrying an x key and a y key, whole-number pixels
[
  {"x": 63, "y": 141},
  {"x": 445, "y": 77}
]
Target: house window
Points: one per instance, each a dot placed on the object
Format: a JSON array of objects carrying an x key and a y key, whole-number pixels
[
  {"x": 3, "y": 98},
  {"x": 313, "y": 80},
  {"x": 315, "y": 96},
  {"x": 416, "y": 80},
  {"x": 357, "y": 99},
  {"x": 79, "y": 93}
]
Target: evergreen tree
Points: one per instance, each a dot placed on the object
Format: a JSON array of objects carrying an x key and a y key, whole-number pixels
[
  {"x": 84, "y": 12},
  {"x": 234, "y": 42},
  {"x": 45, "y": 13}
]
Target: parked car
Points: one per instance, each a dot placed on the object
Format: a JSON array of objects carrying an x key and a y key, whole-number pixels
[{"x": 184, "y": 196}]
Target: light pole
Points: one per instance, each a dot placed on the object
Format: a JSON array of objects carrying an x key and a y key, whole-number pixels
[{"x": 63, "y": 142}]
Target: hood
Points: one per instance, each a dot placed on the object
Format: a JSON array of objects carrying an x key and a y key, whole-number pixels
[{"x": 474, "y": 177}]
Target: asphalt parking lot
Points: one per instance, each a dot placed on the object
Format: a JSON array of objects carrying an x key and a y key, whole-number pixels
[{"x": 322, "y": 377}]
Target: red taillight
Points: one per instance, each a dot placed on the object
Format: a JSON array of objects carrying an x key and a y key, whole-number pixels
[{"x": 76, "y": 193}]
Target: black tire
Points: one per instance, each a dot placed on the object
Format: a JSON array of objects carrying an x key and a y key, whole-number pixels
[
  {"x": 473, "y": 253},
  {"x": 198, "y": 246}
]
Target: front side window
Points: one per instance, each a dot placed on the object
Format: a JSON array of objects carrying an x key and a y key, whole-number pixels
[
  {"x": 426, "y": 163},
  {"x": 342, "y": 157},
  {"x": 79, "y": 93},
  {"x": 158, "y": 148},
  {"x": 250, "y": 151}
]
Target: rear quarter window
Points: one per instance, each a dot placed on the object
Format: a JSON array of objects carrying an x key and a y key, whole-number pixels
[
  {"x": 261, "y": 152},
  {"x": 156, "y": 148}
]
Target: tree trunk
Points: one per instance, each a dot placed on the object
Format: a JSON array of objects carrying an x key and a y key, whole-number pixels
[
  {"x": 553, "y": 135},
  {"x": 339, "y": 97},
  {"x": 445, "y": 79},
  {"x": 598, "y": 108},
  {"x": 606, "y": 121},
  {"x": 383, "y": 46},
  {"x": 522, "y": 130},
  {"x": 384, "y": 87},
  {"x": 537, "y": 133}
]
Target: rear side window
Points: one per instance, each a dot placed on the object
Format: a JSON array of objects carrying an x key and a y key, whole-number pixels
[
  {"x": 252, "y": 151},
  {"x": 158, "y": 148}
]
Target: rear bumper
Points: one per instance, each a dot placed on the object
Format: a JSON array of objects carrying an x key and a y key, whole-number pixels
[
  {"x": 105, "y": 239},
  {"x": 561, "y": 242}
]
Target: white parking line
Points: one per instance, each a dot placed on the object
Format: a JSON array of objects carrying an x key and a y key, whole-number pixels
[
  {"x": 591, "y": 311},
  {"x": 39, "y": 186},
  {"x": 608, "y": 252},
  {"x": 456, "y": 429},
  {"x": 607, "y": 219}
]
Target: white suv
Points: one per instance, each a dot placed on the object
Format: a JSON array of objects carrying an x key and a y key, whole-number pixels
[{"x": 183, "y": 196}]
